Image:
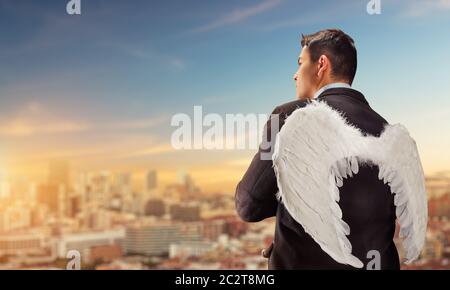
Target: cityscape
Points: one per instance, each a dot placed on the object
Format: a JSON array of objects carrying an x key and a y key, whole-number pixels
[
  {"x": 90, "y": 177},
  {"x": 178, "y": 226}
]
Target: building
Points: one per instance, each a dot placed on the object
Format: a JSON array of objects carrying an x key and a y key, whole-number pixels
[
  {"x": 86, "y": 241},
  {"x": 23, "y": 244},
  {"x": 105, "y": 253},
  {"x": 213, "y": 229},
  {"x": 15, "y": 217},
  {"x": 52, "y": 196},
  {"x": 186, "y": 213},
  {"x": 58, "y": 173},
  {"x": 151, "y": 180},
  {"x": 155, "y": 239},
  {"x": 155, "y": 207},
  {"x": 189, "y": 249},
  {"x": 186, "y": 181}
]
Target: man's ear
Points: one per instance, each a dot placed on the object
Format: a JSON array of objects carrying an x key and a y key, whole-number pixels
[{"x": 323, "y": 65}]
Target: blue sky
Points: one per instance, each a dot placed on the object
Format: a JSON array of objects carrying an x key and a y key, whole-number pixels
[{"x": 82, "y": 87}]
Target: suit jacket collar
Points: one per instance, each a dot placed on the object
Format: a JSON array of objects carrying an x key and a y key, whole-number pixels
[{"x": 346, "y": 92}]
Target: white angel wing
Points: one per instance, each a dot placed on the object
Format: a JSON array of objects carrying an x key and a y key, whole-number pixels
[
  {"x": 317, "y": 148},
  {"x": 401, "y": 168}
]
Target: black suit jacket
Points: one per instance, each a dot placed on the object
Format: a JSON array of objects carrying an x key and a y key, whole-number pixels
[{"x": 366, "y": 202}]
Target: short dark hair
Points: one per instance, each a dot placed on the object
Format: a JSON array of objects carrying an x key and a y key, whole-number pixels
[{"x": 338, "y": 47}]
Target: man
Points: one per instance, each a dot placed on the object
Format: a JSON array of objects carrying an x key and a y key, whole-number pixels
[{"x": 327, "y": 67}]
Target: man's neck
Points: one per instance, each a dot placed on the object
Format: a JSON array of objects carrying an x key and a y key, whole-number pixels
[{"x": 331, "y": 86}]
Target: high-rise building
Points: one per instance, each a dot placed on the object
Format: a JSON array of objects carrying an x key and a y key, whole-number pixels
[
  {"x": 54, "y": 197},
  {"x": 151, "y": 180},
  {"x": 123, "y": 179},
  {"x": 123, "y": 185},
  {"x": 97, "y": 188},
  {"x": 48, "y": 195},
  {"x": 74, "y": 205},
  {"x": 58, "y": 173},
  {"x": 185, "y": 180}
]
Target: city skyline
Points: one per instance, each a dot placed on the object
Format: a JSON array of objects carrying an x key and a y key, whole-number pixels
[{"x": 111, "y": 226}]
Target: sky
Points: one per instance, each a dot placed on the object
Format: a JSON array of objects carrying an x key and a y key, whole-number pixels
[{"x": 99, "y": 89}]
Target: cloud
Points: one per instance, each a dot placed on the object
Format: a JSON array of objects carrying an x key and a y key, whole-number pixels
[
  {"x": 307, "y": 16},
  {"x": 147, "y": 53},
  {"x": 298, "y": 21},
  {"x": 177, "y": 64},
  {"x": 153, "y": 150},
  {"x": 22, "y": 127},
  {"x": 103, "y": 149},
  {"x": 34, "y": 120},
  {"x": 425, "y": 7},
  {"x": 136, "y": 124},
  {"x": 237, "y": 16}
]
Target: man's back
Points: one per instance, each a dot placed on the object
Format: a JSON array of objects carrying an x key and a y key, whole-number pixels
[{"x": 366, "y": 202}]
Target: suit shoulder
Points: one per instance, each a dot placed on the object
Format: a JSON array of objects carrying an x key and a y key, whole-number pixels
[{"x": 289, "y": 107}]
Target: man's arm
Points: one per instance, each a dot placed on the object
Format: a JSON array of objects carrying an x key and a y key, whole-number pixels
[{"x": 255, "y": 194}]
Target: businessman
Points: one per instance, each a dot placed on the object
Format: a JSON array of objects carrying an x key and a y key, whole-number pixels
[{"x": 326, "y": 69}]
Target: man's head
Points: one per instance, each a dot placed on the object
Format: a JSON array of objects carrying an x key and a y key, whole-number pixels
[{"x": 327, "y": 56}]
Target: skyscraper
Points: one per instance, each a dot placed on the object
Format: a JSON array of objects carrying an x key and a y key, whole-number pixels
[
  {"x": 58, "y": 173},
  {"x": 186, "y": 181},
  {"x": 151, "y": 180}
]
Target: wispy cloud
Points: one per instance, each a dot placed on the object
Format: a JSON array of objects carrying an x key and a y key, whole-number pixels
[
  {"x": 35, "y": 120},
  {"x": 332, "y": 12},
  {"x": 153, "y": 150},
  {"x": 421, "y": 8},
  {"x": 22, "y": 127},
  {"x": 147, "y": 53},
  {"x": 137, "y": 124},
  {"x": 297, "y": 21},
  {"x": 237, "y": 16}
]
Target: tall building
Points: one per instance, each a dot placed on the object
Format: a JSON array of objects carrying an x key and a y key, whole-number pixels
[
  {"x": 185, "y": 180},
  {"x": 48, "y": 195},
  {"x": 123, "y": 179},
  {"x": 58, "y": 173},
  {"x": 123, "y": 184},
  {"x": 151, "y": 180},
  {"x": 122, "y": 193},
  {"x": 98, "y": 188},
  {"x": 74, "y": 205},
  {"x": 54, "y": 197}
]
